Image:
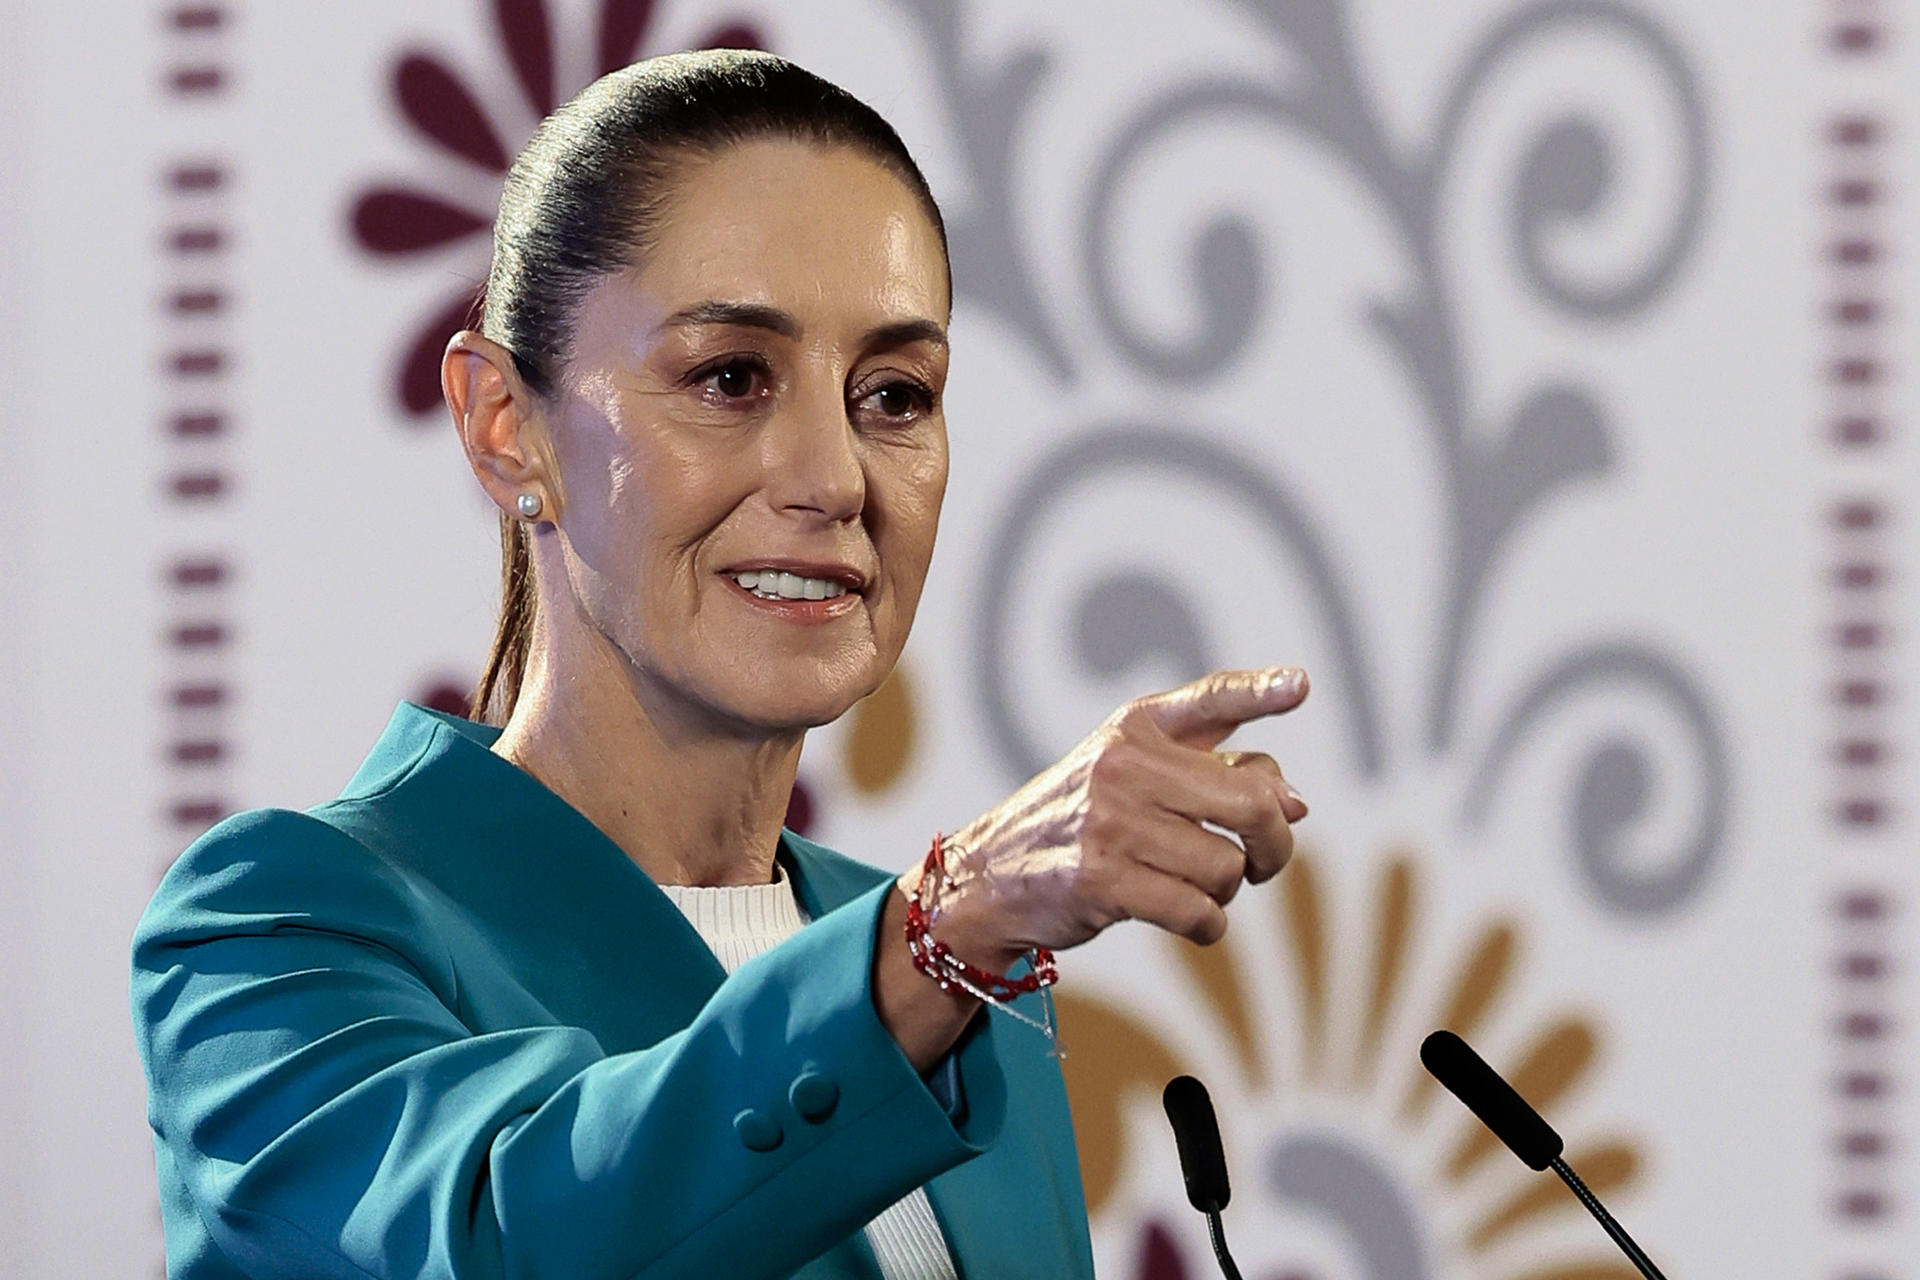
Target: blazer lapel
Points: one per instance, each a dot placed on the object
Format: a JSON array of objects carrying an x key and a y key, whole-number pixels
[
  {"x": 587, "y": 938},
  {"x": 823, "y": 879},
  {"x": 584, "y": 930}
]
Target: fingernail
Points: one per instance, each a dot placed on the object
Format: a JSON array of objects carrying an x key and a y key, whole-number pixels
[
  {"x": 1296, "y": 797},
  {"x": 1283, "y": 678}
]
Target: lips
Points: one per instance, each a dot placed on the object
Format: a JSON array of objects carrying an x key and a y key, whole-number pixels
[
  {"x": 802, "y": 609},
  {"x": 844, "y": 574}
]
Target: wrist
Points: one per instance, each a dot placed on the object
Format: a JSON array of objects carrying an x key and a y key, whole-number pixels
[
  {"x": 958, "y": 917},
  {"x": 973, "y": 937},
  {"x": 924, "y": 1020},
  {"x": 934, "y": 955}
]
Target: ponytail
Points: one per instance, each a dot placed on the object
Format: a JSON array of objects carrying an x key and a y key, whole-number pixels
[{"x": 513, "y": 637}]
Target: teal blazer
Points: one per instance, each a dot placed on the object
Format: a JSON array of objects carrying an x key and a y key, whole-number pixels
[{"x": 443, "y": 1026}]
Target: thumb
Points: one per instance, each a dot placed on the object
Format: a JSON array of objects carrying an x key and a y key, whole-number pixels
[{"x": 1204, "y": 712}]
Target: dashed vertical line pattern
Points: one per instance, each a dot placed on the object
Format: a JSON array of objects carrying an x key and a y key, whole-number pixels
[
  {"x": 197, "y": 564},
  {"x": 1861, "y": 700}
]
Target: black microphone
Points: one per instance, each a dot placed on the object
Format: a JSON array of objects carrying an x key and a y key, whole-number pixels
[
  {"x": 1203, "y": 1164},
  {"x": 1467, "y": 1077}
]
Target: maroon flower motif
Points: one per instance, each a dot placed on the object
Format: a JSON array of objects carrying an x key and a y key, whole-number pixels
[
  {"x": 404, "y": 222},
  {"x": 800, "y": 808},
  {"x": 445, "y": 694},
  {"x": 1159, "y": 1256}
]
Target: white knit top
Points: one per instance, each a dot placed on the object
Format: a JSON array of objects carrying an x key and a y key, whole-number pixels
[{"x": 739, "y": 922}]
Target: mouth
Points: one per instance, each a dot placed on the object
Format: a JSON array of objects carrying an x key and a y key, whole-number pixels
[
  {"x": 796, "y": 579},
  {"x": 795, "y": 591}
]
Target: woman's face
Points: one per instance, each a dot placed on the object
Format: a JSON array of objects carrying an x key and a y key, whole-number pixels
[{"x": 754, "y": 414}]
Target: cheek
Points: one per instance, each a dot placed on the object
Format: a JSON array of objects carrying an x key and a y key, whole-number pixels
[
  {"x": 646, "y": 499},
  {"x": 599, "y": 472},
  {"x": 932, "y": 488},
  {"x": 910, "y": 496},
  {"x": 607, "y": 512},
  {"x": 619, "y": 535}
]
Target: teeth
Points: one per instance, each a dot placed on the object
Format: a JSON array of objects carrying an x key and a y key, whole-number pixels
[{"x": 773, "y": 585}]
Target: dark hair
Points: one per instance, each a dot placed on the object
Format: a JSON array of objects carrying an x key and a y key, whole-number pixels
[{"x": 584, "y": 200}]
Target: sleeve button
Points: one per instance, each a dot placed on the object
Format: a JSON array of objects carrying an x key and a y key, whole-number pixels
[
  {"x": 813, "y": 1096},
  {"x": 758, "y": 1131}
]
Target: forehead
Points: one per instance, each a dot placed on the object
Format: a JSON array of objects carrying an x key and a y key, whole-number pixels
[{"x": 823, "y": 231}]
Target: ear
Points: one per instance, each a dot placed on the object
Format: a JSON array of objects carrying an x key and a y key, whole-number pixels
[{"x": 499, "y": 421}]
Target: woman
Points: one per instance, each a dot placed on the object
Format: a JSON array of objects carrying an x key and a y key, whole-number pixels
[{"x": 452, "y": 1023}]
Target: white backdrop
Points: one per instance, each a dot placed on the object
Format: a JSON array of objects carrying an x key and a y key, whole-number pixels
[{"x": 1535, "y": 373}]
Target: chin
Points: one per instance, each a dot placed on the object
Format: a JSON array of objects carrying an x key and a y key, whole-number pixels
[{"x": 805, "y": 707}]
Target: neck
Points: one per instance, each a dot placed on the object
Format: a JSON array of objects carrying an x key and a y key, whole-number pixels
[{"x": 691, "y": 801}]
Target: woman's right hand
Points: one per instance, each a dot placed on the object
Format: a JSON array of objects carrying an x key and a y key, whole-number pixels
[{"x": 1113, "y": 830}]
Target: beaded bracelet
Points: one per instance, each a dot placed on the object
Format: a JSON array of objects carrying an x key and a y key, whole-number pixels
[{"x": 935, "y": 959}]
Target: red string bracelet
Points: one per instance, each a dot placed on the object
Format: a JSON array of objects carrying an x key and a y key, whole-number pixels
[{"x": 935, "y": 959}]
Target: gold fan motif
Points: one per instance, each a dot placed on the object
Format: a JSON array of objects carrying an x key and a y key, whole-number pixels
[{"x": 1118, "y": 1054}]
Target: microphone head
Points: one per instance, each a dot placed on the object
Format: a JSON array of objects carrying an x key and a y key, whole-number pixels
[
  {"x": 1203, "y": 1164},
  {"x": 1467, "y": 1077}
]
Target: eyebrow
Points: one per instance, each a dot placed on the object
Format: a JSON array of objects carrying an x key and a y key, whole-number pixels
[{"x": 755, "y": 315}]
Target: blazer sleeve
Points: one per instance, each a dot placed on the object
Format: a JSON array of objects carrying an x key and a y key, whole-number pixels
[{"x": 329, "y": 1114}]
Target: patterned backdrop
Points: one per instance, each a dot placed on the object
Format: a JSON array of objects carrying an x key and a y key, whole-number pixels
[{"x": 1531, "y": 372}]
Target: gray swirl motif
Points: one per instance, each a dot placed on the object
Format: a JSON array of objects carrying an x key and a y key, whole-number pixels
[
  {"x": 1492, "y": 481},
  {"x": 1124, "y": 619},
  {"x": 1352, "y": 1190}
]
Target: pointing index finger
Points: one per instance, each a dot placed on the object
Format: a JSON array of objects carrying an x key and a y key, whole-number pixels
[{"x": 1204, "y": 712}]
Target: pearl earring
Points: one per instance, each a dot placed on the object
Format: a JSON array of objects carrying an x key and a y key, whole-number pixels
[{"x": 529, "y": 504}]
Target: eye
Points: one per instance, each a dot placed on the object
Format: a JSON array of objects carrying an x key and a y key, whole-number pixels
[
  {"x": 733, "y": 379},
  {"x": 899, "y": 399}
]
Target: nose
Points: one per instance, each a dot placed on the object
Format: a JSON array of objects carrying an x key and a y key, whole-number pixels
[{"x": 812, "y": 458}]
